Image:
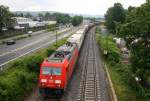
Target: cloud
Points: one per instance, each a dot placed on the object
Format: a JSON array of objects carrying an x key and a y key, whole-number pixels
[
  {"x": 70, "y": 6},
  {"x": 22, "y": 5}
]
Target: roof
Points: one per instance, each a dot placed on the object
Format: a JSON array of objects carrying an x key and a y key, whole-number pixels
[
  {"x": 81, "y": 31},
  {"x": 61, "y": 53},
  {"x": 21, "y": 18},
  {"x": 74, "y": 38},
  {"x": 64, "y": 48}
]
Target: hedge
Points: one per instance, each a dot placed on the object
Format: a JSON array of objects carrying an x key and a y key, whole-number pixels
[
  {"x": 22, "y": 74},
  {"x": 108, "y": 44}
]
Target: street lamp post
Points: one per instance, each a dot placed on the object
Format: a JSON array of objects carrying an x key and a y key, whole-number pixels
[
  {"x": 56, "y": 37},
  {"x": 56, "y": 28}
]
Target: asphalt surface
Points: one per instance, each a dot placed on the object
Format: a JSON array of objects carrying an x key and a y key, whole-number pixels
[{"x": 30, "y": 44}]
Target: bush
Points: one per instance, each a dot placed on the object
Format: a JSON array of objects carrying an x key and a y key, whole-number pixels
[
  {"x": 33, "y": 62},
  {"x": 107, "y": 43},
  {"x": 22, "y": 74},
  {"x": 50, "y": 51},
  {"x": 77, "y": 20},
  {"x": 98, "y": 30},
  {"x": 124, "y": 83}
]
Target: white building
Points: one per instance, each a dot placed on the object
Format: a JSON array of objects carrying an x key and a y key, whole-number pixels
[{"x": 22, "y": 22}]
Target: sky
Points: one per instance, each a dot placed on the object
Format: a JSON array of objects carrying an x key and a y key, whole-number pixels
[{"x": 90, "y": 7}]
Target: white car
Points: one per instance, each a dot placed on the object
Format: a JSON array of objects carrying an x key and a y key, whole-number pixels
[{"x": 29, "y": 33}]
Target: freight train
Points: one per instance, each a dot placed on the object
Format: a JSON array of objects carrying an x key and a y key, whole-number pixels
[{"x": 57, "y": 69}]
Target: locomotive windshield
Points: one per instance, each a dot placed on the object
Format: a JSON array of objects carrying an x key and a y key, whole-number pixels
[{"x": 51, "y": 71}]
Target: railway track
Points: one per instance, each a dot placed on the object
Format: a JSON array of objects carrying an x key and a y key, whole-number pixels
[
  {"x": 90, "y": 86},
  {"x": 88, "y": 81}
]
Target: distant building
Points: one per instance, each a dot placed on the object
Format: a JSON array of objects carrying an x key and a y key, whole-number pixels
[
  {"x": 50, "y": 22},
  {"x": 22, "y": 22}
]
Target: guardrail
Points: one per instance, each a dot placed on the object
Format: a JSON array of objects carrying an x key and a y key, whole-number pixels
[{"x": 3, "y": 65}]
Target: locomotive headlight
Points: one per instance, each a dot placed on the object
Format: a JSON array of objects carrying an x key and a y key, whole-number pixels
[
  {"x": 58, "y": 81},
  {"x": 43, "y": 80}
]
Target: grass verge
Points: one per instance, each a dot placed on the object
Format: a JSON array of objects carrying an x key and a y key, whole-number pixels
[
  {"x": 124, "y": 84},
  {"x": 22, "y": 74}
]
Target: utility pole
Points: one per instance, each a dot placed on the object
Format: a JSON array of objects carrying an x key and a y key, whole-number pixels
[
  {"x": 56, "y": 28},
  {"x": 56, "y": 38}
]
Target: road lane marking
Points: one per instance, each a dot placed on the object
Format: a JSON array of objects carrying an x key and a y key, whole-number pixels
[
  {"x": 30, "y": 44},
  {"x": 20, "y": 48},
  {"x": 46, "y": 44},
  {"x": 49, "y": 43}
]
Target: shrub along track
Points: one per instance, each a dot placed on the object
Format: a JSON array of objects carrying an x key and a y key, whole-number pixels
[{"x": 89, "y": 80}]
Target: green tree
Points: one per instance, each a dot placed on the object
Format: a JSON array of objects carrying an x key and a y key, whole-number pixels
[
  {"x": 5, "y": 17},
  {"x": 62, "y": 18},
  {"x": 114, "y": 15},
  {"x": 47, "y": 16},
  {"x": 76, "y": 20},
  {"x": 21, "y": 15},
  {"x": 28, "y": 15},
  {"x": 40, "y": 15},
  {"x": 136, "y": 32}
]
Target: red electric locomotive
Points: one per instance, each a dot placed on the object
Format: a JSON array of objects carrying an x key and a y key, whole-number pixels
[{"x": 56, "y": 70}]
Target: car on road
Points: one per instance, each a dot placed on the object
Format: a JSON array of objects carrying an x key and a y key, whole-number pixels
[
  {"x": 29, "y": 33},
  {"x": 10, "y": 42}
]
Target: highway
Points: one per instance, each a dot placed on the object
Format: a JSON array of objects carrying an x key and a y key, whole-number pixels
[{"x": 25, "y": 46}]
